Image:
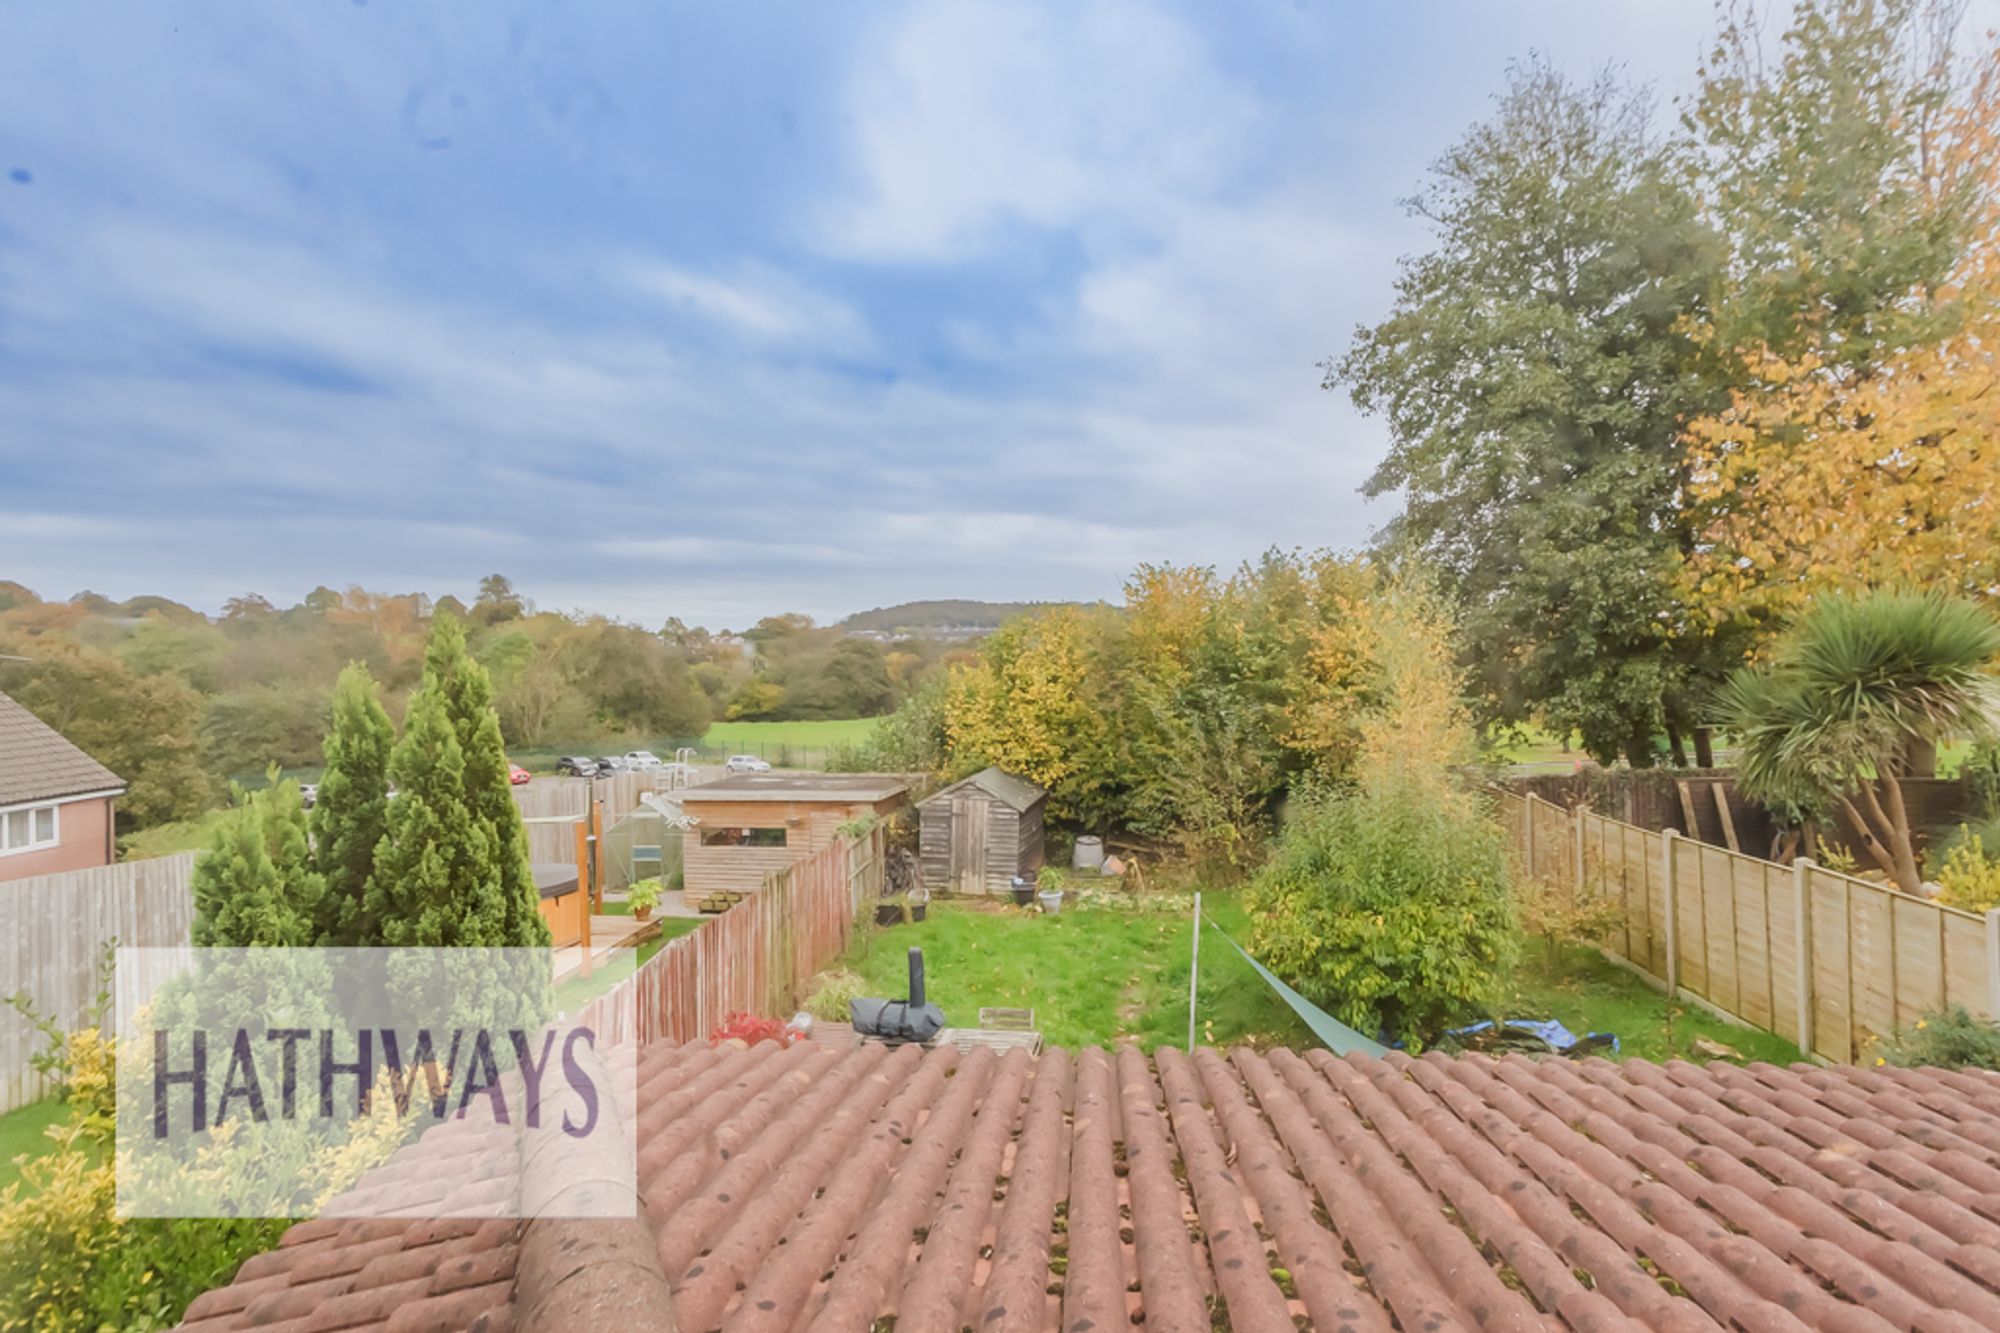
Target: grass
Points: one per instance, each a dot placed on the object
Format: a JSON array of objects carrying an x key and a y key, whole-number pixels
[
  {"x": 808, "y": 735},
  {"x": 182, "y": 835},
  {"x": 574, "y": 993},
  {"x": 23, "y": 1132},
  {"x": 1101, "y": 976}
]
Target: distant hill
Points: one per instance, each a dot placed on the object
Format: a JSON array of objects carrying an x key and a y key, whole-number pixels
[{"x": 941, "y": 619}]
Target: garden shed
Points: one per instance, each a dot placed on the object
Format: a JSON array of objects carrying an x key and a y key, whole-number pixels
[{"x": 978, "y": 833}]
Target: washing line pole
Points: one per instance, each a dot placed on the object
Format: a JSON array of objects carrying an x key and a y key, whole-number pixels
[{"x": 1194, "y": 969}]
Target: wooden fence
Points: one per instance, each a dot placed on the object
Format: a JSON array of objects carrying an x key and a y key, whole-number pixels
[
  {"x": 753, "y": 958},
  {"x": 1828, "y": 960},
  {"x": 58, "y": 927}
]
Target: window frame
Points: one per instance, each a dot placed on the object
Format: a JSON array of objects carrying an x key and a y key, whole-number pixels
[{"x": 31, "y": 809}]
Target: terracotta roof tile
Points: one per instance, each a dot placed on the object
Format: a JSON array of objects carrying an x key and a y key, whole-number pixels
[{"x": 816, "y": 1188}]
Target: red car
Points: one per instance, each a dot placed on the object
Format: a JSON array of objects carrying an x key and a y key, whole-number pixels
[{"x": 517, "y": 775}]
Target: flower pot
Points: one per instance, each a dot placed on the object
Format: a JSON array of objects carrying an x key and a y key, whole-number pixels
[
  {"x": 1024, "y": 895},
  {"x": 641, "y": 913},
  {"x": 917, "y": 911},
  {"x": 1051, "y": 900},
  {"x": 888, "y": 914}
]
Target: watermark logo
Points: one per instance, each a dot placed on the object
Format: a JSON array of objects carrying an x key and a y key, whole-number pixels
[{"x": 370, "y": 1083}]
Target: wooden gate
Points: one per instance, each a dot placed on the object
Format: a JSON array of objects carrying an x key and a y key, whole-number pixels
[{"x": 968, "y": 842}]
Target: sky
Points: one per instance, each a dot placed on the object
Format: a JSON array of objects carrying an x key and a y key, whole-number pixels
[{"x": 715, "y": 310}]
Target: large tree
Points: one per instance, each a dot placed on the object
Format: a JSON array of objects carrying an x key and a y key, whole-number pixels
[
  {"x": 350, "y": 816},
  {"x": 1535, "y": 375},
  {"x": 255, "y": 886}
]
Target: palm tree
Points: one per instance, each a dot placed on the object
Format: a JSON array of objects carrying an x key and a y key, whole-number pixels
[{"x": 1859, "y": 686}]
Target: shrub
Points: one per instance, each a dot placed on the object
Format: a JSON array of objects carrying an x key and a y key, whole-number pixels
[
  {"x": 1947, "y": 1038},
  {"x": 830, "y": 993},
  {"x": 1981, "y": 772},
  {"x": 1557, "y": 912},
  {"x": 1969, "y": 878},
  {"x": 1389, "y": 906},
  {"x": 644, "y": 895}
]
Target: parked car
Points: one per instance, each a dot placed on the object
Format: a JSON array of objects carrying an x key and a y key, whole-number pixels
[
  {"x": 518, "y": 776},
  {"x": 611, "y": 763},
  {"x": 308, "y": 793},
  {"x": 746, "y": 763},
  {"x": 644, "y": 760},
  {"x": 576, "y": 766}
]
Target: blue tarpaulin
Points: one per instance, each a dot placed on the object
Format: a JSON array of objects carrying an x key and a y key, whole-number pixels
[
  {"x": 1338, "y": 1037},
  {"x": 1546, "y": 1030}
]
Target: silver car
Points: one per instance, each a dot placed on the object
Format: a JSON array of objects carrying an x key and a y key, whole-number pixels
[{"x": 745, "y": 763}]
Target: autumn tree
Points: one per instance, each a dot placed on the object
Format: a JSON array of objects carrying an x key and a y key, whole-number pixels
[
  {"x": 1858, "y": 448},
  {"x": 1534, "y": 376}
]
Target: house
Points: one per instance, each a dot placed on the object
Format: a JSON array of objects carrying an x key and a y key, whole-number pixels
[
  {"x": 55, "y": 800},
  {"x": 978, "y": 834},
  {"x": 841, "y": 1188},
  {"x": 748, "y": 825}
]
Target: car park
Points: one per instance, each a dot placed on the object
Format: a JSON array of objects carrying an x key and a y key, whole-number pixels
[
  {"x": 746, "y": 763},
  {"x": 576, "y": 766}
]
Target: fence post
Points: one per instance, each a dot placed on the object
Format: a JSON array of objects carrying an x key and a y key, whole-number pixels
[
  {"x": 1576, "y": 839},
  {"x": 1528, "y": 835},
  {"x": 1669, "y": 897},
  {"x": 1802, "y": 868},
  {"x": 1993, "y": 963}
]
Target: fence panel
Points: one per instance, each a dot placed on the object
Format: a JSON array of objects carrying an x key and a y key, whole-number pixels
[
  {"x": 60, "y": 925},
  {"x": 1873, "y": 959},
  {"x": 755, "y": 957}
]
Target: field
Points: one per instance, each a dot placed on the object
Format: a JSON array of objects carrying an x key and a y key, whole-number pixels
[
  {"x": 808, "y": 735},
  {"x": 1103, "y": 976}
]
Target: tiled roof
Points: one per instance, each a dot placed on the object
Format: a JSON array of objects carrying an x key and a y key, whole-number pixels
[
  {"x": 824, "y": 1188},
  {"x": 37, "y": 764}
]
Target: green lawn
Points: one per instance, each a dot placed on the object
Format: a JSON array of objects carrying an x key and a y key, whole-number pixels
[
  {"x": 1104, "y": 976},
  {"x": 811, "y": 735},
  {"x": 575, "y": 992},
  {"x": 183, "y": 835},
  {"x": 24, "y": 1131}
]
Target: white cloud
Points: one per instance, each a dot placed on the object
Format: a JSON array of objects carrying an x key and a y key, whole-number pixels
[{"x": 758, "y": 303}]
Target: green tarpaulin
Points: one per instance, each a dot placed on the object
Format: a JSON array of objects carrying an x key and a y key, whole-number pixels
[{"x": 1338, "y": 1037}]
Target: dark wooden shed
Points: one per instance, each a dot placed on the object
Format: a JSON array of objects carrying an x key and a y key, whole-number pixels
[{"x": 977, "y": 834}]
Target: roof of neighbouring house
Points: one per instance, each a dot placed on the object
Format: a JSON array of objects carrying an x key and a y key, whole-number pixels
[
  {"x": 828, "y": 1187},
  {"x": 1017, "y": 793},
  {"x": 827, "y": 788},
  {"x": 37, "y": 764}
]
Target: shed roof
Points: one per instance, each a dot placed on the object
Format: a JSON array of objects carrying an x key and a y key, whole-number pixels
[
  {"x": 824, "y": 1187},
  {"x": 1018, "y": 793},
  {"x": 829, "y": 788},
  {"x": 37, "y": 764}
]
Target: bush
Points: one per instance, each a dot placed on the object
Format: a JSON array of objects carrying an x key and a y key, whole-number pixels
[
  {"x": 1969, "y": 877},
  {"x": 644, "y": 895},
  {"x": 1947, "y": 1038},
  {"x": 830, "y": 993},
  {"x": 1981, "y": 772},
  {"x": 1389, "y": 907}
]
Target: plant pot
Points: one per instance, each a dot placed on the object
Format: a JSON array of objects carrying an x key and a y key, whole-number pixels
[
  {"x": 641, "y": 913},
  {"x": 888, "y": 914},
  {"x": 917, "y": 911},
  {"x": 1023, "y": 896},
  {"x": 1051, "y": 900}
]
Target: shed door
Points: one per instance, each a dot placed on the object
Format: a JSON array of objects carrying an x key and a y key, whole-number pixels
[{"x": 968, "y": 843}]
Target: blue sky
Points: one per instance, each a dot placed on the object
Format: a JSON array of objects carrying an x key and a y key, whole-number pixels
[{"x": 713, "y": 310}]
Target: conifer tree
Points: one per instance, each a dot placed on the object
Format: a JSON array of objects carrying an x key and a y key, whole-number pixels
[
  {"x": 467, "y": 692},
  {"x": 255, "y": 887},
  {"x": 351, "y": 814},
  {"x": 434, "y": 882}
]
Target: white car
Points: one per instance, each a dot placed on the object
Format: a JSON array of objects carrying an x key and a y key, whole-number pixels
[
  {"x": 644, "y": 760},
  {"x": 746, "y": 763}
]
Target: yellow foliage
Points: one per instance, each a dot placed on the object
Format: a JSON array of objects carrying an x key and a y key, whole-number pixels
[{"x": 1970, "y": 879}]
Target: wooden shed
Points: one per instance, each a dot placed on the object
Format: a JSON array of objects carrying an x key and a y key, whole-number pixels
[
  {"x": 751, "y": 824},
  {"x": 977, "y": 834}
]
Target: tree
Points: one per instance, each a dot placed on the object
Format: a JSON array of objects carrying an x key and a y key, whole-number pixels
[
  {"x": 1857, "y": 450},
  {"x": 141, "y": 728},
  {"x": 350, "y": 815},
  {"x": 1858, "y": 685},
  {"x": 255, "y": 886},
  {"x": 436, "y": 882},
  {"x": 1534, "y": 376},
  {"x": 467, "y": 694},
  {"x": 497, "y": 601}
]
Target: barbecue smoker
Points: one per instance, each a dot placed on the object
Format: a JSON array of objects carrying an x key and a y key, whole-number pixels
[{"x": 899, "y": 1020}]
